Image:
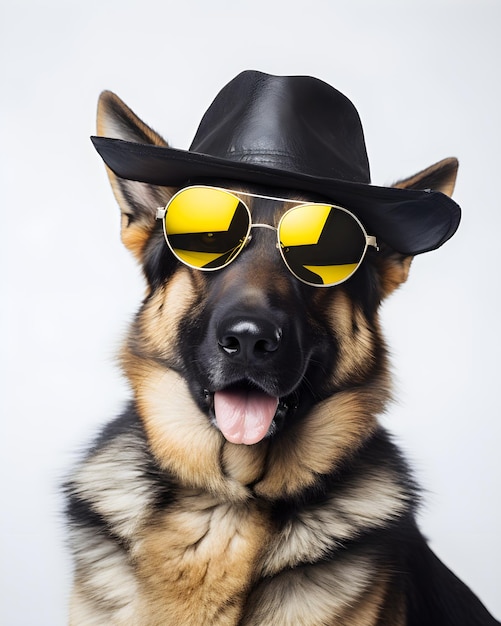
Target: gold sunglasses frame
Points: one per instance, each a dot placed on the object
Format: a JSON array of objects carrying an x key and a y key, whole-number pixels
[{"x": 161, "y": 212}]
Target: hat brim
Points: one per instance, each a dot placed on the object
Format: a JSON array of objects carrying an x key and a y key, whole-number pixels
[{"x": 409, "y": 221}]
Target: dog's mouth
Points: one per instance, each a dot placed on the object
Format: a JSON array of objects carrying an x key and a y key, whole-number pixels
[{"x": 244, "y": 413}]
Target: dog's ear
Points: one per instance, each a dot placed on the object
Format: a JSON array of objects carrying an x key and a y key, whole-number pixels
[
  {"x": 440, "y": 177},
  {"x": 138, "y": 201}
]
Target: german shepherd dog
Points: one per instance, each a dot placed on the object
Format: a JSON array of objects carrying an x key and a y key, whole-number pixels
[{"x": 174, "y": 522}]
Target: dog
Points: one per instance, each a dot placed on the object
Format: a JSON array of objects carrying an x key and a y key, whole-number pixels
[{"x": 249, "y": 481}]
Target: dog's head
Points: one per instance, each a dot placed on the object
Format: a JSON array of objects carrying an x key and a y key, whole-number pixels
[{"x": 250, "y": 354}]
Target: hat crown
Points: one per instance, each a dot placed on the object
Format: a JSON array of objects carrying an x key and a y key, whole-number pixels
[{"x": 293, "y": 123}]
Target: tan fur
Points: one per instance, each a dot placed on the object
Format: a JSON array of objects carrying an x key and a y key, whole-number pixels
[
  {"x": 185, "y": 442},
  {"x": 198, "y": 561},
  {"x": 368, "y": 609},
  {"x": 105, "y": 589},
  {"x": 312, "y": 594},
  {"x": 159, "y": 323},
  {"x": 116, "y": 120},
  {"x": 394, "y": 272},
  {"x": 356, "y": 340},
  {"x": 440, "y": 176},
  {"x": 126, "y": 509},
  {"x": 393, "y": 612},
  {"x": 134, "y": 236},
  {"x": 181, "y": 438},
  {"x": 246, "y": 464},
  {"x": 334, "y": 429},
  {"x": 223, "y": 549},
  {"x": 365, "y": 503}
]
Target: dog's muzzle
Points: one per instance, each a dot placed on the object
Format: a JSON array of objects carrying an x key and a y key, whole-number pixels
[{"x": 254, "y": 361}]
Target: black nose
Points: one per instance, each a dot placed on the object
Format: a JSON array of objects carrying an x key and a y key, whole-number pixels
[{"x": 248, "y": 339}]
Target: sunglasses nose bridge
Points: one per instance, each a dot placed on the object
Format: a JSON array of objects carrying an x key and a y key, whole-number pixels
[
  {"x": 269, "y": 226},
  {"x": 258, "y": 225}
]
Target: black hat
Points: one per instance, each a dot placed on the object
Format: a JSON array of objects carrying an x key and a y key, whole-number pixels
[{"x": 294, "y": 132}]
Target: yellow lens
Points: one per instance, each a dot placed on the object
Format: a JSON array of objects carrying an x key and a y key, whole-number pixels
[
  {"x": 303, "y": 225},
  {"x": 206, "y": 227},
  {"x": 332, "y": 274},
  {"x": 321, "y": 244}
]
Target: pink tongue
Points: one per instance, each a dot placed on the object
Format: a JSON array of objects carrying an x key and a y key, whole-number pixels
[{"x": 244, "y": 416}]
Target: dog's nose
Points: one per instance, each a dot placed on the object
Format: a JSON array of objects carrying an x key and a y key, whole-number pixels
[{"x": 248, "y": 340}]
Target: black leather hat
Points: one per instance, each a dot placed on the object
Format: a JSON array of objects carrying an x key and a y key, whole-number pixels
[{"x": 293, "y": 132}]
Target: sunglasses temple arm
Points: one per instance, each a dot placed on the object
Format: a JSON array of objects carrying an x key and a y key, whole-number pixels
[
  {"x": 371, "y": 241},
  {"x": 160, "y": 214}
]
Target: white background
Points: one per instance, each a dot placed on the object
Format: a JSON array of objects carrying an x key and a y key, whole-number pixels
[{"x": 425, "y": 77}]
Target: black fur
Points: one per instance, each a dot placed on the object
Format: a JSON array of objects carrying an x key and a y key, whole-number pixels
[{"x": 318, "y": 513}]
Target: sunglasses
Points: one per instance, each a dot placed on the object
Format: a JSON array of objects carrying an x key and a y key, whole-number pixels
[{"x": 206, "y": 228}]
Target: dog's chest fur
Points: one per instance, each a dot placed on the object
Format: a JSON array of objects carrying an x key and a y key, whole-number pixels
[{"x": 157, "y": 552}]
